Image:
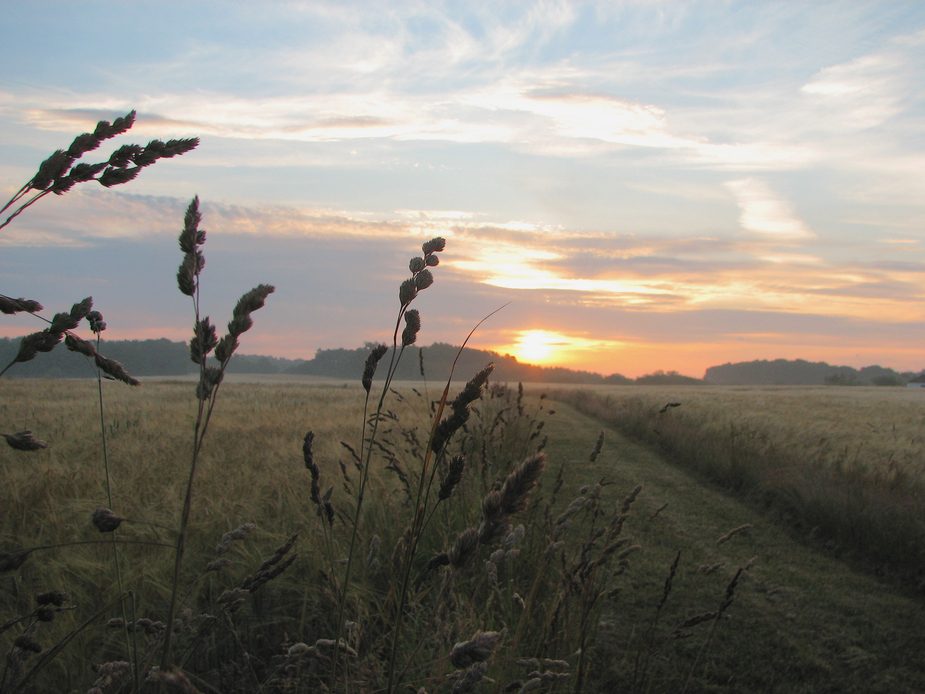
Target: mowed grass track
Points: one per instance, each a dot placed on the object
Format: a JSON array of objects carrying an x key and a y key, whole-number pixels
[
  {"x": 800, "y": 622},
  {"x": 843, "y": 467}
]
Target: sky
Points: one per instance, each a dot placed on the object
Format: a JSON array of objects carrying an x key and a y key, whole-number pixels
[{"x": 640, "y": 185}]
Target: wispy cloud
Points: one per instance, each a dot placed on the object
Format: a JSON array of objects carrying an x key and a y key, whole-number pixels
[{"x": 764, "y": 212}]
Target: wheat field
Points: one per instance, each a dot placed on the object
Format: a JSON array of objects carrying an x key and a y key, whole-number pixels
[
  {"x": 844, "y": 467},
  {"x": 253, "y": 472}
]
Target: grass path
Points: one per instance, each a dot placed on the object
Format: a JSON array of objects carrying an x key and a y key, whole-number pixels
[{"x": 800, "y": 622}]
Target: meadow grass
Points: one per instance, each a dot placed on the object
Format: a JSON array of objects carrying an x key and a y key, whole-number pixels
[
  {"x": 800, "y": 621},
  {"x": 844, "y": 467},
  {"x": 254, "y": 473}
]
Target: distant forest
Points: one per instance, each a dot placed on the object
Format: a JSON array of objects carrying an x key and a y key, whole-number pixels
[
  {"x": 166, "y": 358},
  {"x": 797, "y": 372}
]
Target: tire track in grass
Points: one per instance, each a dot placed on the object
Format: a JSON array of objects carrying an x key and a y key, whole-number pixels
[{"x": 800, "y": 621}]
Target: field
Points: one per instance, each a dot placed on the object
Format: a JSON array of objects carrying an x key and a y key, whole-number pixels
[
  {"x": 843, "y": 467},
  {"x": 882, "y": 429},
  {"x": 799, "y": 619}
]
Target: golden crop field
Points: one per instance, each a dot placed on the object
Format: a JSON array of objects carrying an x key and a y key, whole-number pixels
[
  {"x": 559, "y": 592},
  {"x": 876, "y": 426},
  {"x": 842, "y": 466}
]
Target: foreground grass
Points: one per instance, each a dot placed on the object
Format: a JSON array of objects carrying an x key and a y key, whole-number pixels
[
  {"x": 801, "y": 621},
  {"x": 252, "y": 471},
  {"x": 252, "y": 474}
]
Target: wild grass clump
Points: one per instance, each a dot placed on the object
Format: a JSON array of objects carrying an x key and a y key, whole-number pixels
[
  {"x": 424, "y": 552},
  {"x": 857, "y": 498}
]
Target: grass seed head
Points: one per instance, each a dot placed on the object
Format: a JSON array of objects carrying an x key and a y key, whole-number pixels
[
  {"x": 732, "y": 533},
  {"x": 372, "y": 361},
  {"x": 453, "y": 476},
  {"x": 438, "y": 560},
  {"x": 81, "y": 309},
  {"x": 123, "y": 156},
  {"x": 24, "y": 642},
  {"x": 225, "y": 348},
  {"x": 308, "y": 451},
  {"x": 58, "y": 598},
  {"x": 253, "y": 300},
  {"x": 176, "y": 682},
  {"x": 514, "y": 537},
  {"x": 229, "y": 538},
  {"x": 494, "y": 521},
  {"x": 114, "y": 369},
  {"x": 630, "y": 498},
  {"x": 468, "y": 682},
  {"x": 218, "y": 564},
  {"x": 423, "y": 279},
  {"x": 373, "y": 560},
  {"x": 407, "y": 291},
  {"x": 10, "y": 561},
  {"x": 515, "y": 493},
  {"x": 203, "y": 341},
  {"x": 628, "y": 551},
  {"x": 10, "y": 306},
  {"x": 730, "y": 593},
  {"x": 107, "y": 673},
  {"x": 105, "y": 520},
  {"x": 97, "y": 324},
  {"x": 478, "y": 649},
  {"x": 464, "y": 549},
  {"x": 46, "y": 613},
  {"x": 412, "y": 327},
  {"x": 435, "y": 245},
  {"x": 115, "y": 177},
  {"x": 471, "y": 392},
  {"x": 597, "y": 447},
  {"x": 299, "y": 649},
  {"x": 50, "y": 169},
  {"x": 32, "y": 344},
  {"x": 76, "y": 344},
  {"x": 191, "y": 237},
  {"x": 24, "y": 441}
]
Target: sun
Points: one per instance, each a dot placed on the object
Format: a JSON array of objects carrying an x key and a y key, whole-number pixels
[{"x": 538, "y": 346}]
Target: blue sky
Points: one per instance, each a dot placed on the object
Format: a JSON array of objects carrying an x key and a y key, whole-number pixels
[{"x": 650, "y": 185}]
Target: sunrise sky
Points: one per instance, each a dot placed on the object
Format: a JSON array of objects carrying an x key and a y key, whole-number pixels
[{"x": 647, "y": 185}]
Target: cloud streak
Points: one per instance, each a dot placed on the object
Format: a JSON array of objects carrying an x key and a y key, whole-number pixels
[
  {"x": 764, "y": 212},
  {"x": 652, "y": 274}
]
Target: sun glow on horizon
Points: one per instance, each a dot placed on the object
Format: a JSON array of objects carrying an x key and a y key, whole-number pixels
[
  {"x": 538, "y": 346},
  {"x": 549, "y": 348}
]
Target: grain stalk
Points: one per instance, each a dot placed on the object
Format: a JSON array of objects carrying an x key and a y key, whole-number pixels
[
  {"x": 204, "y": 341},
  {"x": 421, "y": 278}
]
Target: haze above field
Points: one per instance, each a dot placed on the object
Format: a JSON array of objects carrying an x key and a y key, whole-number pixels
[{"x": 651, "y": 185}]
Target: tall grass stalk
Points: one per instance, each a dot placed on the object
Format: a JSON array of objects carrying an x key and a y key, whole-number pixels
[
  {"x": 97, "y": 326},
  {"x": 425, "y": 482},
  {"x": 204, "y": 341},
  {"x": 421, "y": 278}
]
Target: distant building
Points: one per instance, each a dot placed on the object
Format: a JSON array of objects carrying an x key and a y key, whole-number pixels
[{"x": 917, "y": 382}]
